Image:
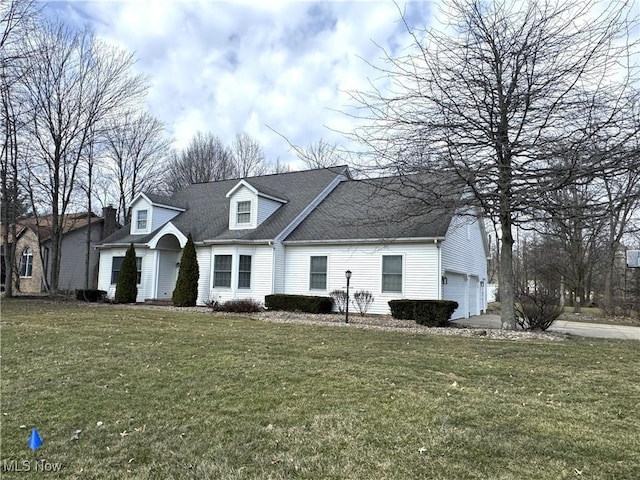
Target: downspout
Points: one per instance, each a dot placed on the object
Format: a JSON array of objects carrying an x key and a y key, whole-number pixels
[
  {"x": 439, "y": 269},
  {"x": 273, "y": 266}
]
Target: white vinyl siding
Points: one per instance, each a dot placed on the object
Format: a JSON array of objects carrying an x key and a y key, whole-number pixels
[
  {"x": 318, "y": 273},
  {"x": 464, "y": 266},
  {"x": 146, "y": 287},
  {"x": 365, "y": 262},
  {"x": 266, "y": 207}
]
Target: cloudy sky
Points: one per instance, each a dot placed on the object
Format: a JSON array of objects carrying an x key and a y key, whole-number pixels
[{"x": 252, "y": 66}]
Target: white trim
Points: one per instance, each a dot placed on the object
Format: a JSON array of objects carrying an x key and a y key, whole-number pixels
[
  {"x": 360, "y": 241},
  {"x": 254, "y": 190},
  {"x": 168, "y": 229},
  {"x": 156, "y": 204}
]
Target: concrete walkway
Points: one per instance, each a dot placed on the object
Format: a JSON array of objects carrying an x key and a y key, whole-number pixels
[{"x": 594, "y": 330}]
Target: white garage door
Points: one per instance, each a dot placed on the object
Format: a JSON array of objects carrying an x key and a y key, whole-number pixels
[
  {"x": 465, "y": 292},
  {"x": 455, "y": 289}
]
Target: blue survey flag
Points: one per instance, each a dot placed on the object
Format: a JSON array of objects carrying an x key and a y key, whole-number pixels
[{"x": 35, "y": 441}]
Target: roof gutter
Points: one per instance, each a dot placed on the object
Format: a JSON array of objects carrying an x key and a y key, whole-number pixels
[{"x": 365, "y": 241}]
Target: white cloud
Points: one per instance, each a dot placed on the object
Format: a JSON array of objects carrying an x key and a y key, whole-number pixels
[{"x": 229, "y": 67}]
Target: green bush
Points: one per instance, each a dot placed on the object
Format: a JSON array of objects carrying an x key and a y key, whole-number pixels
[
  {"x": 90, "y": 295},
  {"x": 299, "y": 303},
  {"x": 127, "y": 286},
  {"x": 186, "y": 292},
  {"x": 432, "y": 313},
  {"x": 242, "y": 305}
]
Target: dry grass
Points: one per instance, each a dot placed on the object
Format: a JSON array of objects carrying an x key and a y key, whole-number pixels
[{"x": 191, "y": 395}]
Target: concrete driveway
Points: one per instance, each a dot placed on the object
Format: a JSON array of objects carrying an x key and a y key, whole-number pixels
[{"x": 594, "y": 330}]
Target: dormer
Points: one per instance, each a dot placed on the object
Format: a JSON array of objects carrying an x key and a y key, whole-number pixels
[
  {"x": 249, "y": 206},
  {"x": 149, "y": 212}
]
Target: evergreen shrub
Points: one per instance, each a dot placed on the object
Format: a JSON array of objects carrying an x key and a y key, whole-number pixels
[
  {"x": 299, "y": 303},
  {"x": 432, "y": 313}
]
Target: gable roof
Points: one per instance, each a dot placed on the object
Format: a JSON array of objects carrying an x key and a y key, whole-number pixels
[
  {"x": 206, "y": 215},
  {"x": 41, "y": 225},
  {"x": 381, "y": 209}
]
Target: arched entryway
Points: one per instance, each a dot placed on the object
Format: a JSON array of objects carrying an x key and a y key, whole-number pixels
[{"x": 168, "y": 253}]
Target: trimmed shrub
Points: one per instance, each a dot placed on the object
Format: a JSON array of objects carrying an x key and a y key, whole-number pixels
[
  {"x": 242, "y": 305},
  {"x": 90, "y": 295},
  {"x": 363, "y": 300},
  {"x": 127, "y": 286},
  {"x": 299, "y": 303},
  {"x": 186, "y": 292},
  {"x": 432, "y": 313},
  {"x": 339, "y": 299}
]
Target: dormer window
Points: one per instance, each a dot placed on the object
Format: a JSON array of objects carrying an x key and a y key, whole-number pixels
[
  {"x": 244, "y": 213},
  {"x": 141, "y": 220}
]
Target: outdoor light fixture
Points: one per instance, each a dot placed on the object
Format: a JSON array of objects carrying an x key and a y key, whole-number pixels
[
  {"x": 444, "y": 280},
  {"x": 482, "y": 283},
  {"x": 348, "y": 275},
  {"x": 177, "y": 264}
]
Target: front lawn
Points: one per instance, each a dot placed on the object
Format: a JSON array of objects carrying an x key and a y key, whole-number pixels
[{"x": 138, "y": 393}]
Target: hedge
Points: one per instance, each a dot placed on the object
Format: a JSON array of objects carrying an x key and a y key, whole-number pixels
[
  {"x": 433, "y": 313},
  {"x": 90, "y": 295},
  {"x": 299, "y": 303}
]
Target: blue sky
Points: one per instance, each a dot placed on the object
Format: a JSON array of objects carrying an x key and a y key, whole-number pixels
[{"x": 251, "y": 66}]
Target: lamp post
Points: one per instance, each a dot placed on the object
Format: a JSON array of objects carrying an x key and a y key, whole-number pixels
[{"x": 348, "y": 275}]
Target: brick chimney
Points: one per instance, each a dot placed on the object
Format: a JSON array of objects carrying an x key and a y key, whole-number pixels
[{"x": 110, "y": 222}]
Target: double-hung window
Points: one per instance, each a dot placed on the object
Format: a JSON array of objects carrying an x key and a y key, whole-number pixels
[
  {"x": 318, "y": 273},
  {"x": 141, "y": 220},
  {"x": 26, "y": 263},
  {"x": 116, "y": 266},
  {"x": 244, "y": 271},
  {"x": 392, "y": 273},
  {"x": 222, "y": 271},
  {"x": 243, "y": 215}
]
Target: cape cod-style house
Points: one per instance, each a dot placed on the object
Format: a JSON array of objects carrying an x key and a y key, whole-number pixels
[{"x": 298, "y": 233}]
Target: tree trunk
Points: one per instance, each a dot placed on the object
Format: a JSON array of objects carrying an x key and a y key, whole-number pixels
[{"x": 507, "y": 293}]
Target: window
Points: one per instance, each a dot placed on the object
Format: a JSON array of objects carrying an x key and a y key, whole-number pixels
[
  {"x": 116, "y": 265},
  {"x": 222, "y": 271},
  {"x": 318, "y": 273},
  {"x": 26, "y": 263},
  {"x": 392, "y": 273},
  {"x": 244, "y": 271},
  {"x": 141, "y": 220},
  {"x": 244, "y": 212}
]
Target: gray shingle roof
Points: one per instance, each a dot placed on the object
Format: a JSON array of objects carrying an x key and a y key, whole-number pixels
[
  {"x": 416, "y": 206},
  {"x": 206, "y": 216}
]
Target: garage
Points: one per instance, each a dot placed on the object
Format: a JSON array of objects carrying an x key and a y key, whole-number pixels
[{"x": 462, "y": 289}]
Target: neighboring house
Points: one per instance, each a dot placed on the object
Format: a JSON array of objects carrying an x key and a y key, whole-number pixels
[
  {"x": 32, "y": 262},
  {"x": 298, "y": 233}
]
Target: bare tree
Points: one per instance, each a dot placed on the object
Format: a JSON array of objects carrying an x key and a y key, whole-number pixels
[
  {"x": 248, "y": 156},
  {"x": 16, "y": 20},
  {"x": 205, "y": 159},
  {"x": 320, "y": 154},
  {"x": 74, "y": 82},
  {"x": 489, "y": 100},
  {"x": 135, "y": 147}
]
